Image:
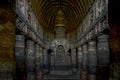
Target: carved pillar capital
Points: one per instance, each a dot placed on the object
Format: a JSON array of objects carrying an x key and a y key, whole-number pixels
[{"x": 103, "y": 37}]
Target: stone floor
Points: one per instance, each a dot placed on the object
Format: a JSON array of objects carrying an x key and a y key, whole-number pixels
[{"x": 74, "y": 76}]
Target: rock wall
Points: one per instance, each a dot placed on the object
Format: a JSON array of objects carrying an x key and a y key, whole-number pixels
[{"x": 7, "y": 42}]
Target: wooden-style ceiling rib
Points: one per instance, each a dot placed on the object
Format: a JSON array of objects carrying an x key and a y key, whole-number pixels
[
  {"x": 88, "y": 3},
  {"x": 80, "y": 7},
  {"x": 74, "y": 10}
]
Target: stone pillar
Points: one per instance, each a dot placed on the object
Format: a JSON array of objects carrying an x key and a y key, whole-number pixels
[
  {"x": 92, "y": 60},
  {"x": 52, "y": 63},
  {"x": 49, "y": 59},
  {"x": 30, "y": 57},
  {"x": 7, "y": 41},
  {"x": 20, "y": 56},
  {"x": 41, "y": 58},
  {"x": 103, "y": 57},
  {"x": 45, "y": 60},
  {"x": 73, "y": 55},
  {"x": 79, "y": 58},
  {"x": 41, "y": 63},
  {"x": 85, "y": 62},
  {"x": 37, "y": 60},
  {"x": 80, "y": 61}
]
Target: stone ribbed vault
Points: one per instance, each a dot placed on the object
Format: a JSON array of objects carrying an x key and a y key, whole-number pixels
[{"x": 45, "y": 11}]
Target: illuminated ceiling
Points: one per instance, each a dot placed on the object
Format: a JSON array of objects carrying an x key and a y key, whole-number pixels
[{"x": 74, "y": 10}]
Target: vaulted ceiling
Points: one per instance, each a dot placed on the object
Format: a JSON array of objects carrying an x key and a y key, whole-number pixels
[{"x": 74, "y": 10}]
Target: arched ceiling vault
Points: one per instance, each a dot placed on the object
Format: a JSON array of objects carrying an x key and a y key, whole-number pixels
[{"x": 74, "y": 10}]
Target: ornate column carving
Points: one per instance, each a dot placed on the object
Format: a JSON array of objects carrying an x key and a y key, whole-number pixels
[
  {"x": 20, "y": 56},
  {"x": 30, "y": 57},
  {"x": 103, "y": 57},
  {"x": 92, "y": 60},
  {"x": 85, "y": 62},
  {"x": 37, "y": 60}
]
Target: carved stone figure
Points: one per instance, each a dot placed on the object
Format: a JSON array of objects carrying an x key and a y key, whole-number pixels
[
  {"x": 99, "y": 7},
  {"x": 22, "y": 6},
  {"x": 29, "y": 13},
  {"x": 91, "y": 18}
]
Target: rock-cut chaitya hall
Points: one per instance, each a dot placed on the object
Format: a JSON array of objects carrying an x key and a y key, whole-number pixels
[{"x": 59, "y": 40}]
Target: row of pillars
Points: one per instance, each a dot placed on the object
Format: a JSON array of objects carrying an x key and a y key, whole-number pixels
[
  {"x": 27, "y": 55},
  {"x": 95, "y": 59}
]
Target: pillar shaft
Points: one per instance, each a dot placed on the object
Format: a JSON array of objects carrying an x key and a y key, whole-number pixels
[
  {"x": 37, "y": 60},
  {"x": 79, "y": 57},
  {"x": 20, "y": 56},
  {"x": 103, "y": 57},
  {"x": 92, "y": 60},
  {"x": 73, "y": 55},
  {"x": 45, "y": 60},
  {"x": 84, "y": 62},
  {"x": 30, "y": 57},
  {"x": 80, "y": 61},
  {"x": 41, "y": 58}
]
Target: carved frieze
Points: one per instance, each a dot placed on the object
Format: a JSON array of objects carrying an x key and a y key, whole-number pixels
[
  {"x": 100, "y": 6},
  {"x": 21, "y": 25},
  {"x": 102, "y": 25},
  {"x": 91, "y": 17},
  {"x": 31, "y": 34},
  {"x": 96, "y": 11}
]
